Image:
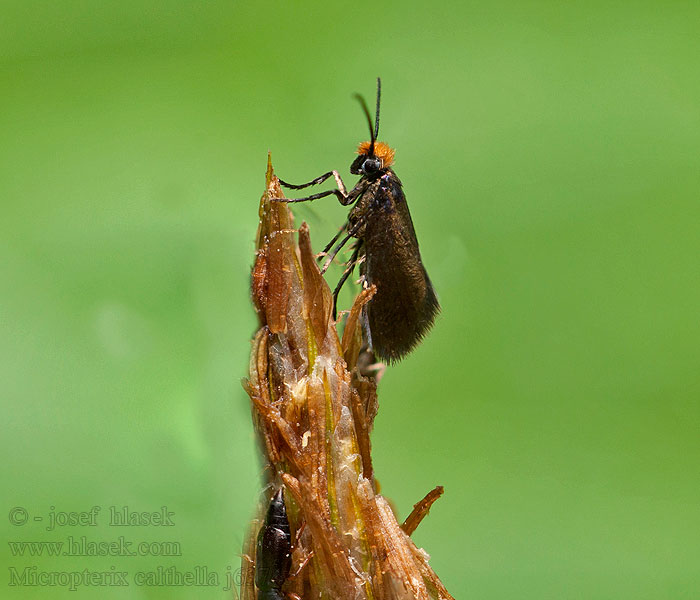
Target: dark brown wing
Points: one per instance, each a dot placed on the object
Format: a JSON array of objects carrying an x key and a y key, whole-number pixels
[{"x": 405, "y": 305}]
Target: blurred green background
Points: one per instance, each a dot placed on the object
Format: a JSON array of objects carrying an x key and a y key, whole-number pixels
[{"x": 550, "y": 155}]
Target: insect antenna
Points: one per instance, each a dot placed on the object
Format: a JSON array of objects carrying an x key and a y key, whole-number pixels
[
  {"x": 373, "y": 127},
  {"x": 379, "y": 97},
  {"x": 362, "y": 102}
]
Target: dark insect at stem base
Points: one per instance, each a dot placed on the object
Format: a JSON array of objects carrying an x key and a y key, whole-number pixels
[{"x": 273, "y": 557}]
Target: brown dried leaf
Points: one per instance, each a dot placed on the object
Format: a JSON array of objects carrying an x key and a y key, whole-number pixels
[
  {"x": 318, "y": 300},
  {"x": 421, "y": 510}
]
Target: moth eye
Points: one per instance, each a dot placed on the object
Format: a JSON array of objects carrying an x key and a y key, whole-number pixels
[{"x": 371, "y": 165}]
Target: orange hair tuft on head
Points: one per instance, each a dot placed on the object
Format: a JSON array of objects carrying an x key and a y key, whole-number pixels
[{"x": 381, "y": 150}]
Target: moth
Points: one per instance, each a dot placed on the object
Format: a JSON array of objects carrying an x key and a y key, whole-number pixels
[{"x": 385, "y": 246}]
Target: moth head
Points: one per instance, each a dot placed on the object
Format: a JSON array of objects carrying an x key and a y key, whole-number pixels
[{"x": 372, "y": 158}]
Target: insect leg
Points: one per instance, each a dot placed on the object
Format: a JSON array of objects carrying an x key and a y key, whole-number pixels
[
  {"x": 333, "y": 241},
  {"x": 321, "y": 179},
  {"x": 348, "y": 271},
  {"x": 351, "y": 232},
  {"x": 343, "y": 196}
]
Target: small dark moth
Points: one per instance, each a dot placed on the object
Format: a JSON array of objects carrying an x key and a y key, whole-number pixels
[
  {"x": 273, "y": 556},
  {"x": 405, "y": 305}
]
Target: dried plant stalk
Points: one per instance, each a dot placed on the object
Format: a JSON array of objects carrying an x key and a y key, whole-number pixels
[{"x": 313, "y": 412}]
